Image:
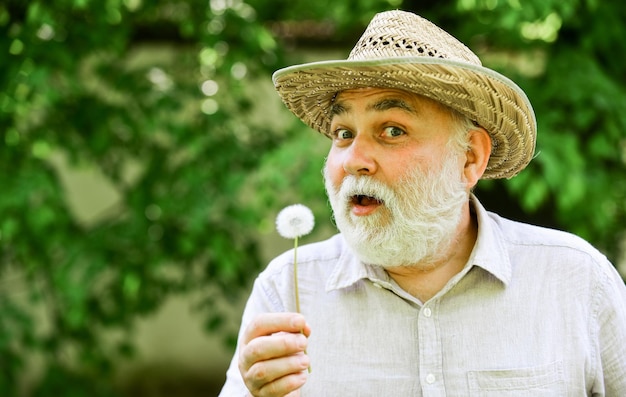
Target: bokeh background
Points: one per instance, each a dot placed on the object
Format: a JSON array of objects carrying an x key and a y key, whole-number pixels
[{"x": 144, "y": 157}]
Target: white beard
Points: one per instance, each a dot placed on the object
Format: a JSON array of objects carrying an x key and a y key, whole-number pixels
[{"x": 416, "y": 224}]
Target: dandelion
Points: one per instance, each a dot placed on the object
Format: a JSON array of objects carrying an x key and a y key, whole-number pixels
[{"x": 293, "y": 222}]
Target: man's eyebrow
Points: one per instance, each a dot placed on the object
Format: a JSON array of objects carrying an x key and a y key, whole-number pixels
[
  {"x": 391, "y": 103},
  {"x": 338, "y": 108}
]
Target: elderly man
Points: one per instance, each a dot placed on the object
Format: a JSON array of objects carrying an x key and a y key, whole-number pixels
[{"x": 424, "y": 292}]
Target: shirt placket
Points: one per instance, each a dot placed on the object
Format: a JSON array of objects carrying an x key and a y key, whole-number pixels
[{"x": 430, "y": 352}]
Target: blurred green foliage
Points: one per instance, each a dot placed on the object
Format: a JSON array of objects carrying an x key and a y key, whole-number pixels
[{"x": 165, "y": 99}]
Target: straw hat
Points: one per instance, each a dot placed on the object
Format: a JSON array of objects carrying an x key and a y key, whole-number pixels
[{"x": 405, "y": 51}]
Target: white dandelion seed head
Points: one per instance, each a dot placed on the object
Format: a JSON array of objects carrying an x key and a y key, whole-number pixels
[{"x": 295, "y": 221}]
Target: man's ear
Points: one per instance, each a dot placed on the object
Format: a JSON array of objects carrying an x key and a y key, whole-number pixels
[{"x": 477, "y": 156}]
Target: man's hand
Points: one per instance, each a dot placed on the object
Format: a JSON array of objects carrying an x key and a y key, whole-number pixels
[{"x": 272, "y": 359}]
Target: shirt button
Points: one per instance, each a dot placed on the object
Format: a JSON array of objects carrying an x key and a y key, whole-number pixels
[
  {"x": 427, "y": 312},
  {"x": 430, "y": 378}
]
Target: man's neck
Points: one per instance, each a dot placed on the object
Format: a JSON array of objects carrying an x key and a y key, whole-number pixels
[{"x": 425, "y": 280}]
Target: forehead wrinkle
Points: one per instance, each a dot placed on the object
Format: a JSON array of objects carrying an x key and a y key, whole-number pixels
[{"x": 391, "y": 103}]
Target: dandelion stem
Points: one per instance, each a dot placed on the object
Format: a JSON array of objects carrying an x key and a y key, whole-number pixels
[
  {"x": 295, "y": 282},
  {"x": 295, "y": 273}
]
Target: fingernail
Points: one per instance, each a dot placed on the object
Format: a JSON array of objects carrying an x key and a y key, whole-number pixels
[
  {"x": 296, "y": 322},
  {"x": 301, "y": 341}
]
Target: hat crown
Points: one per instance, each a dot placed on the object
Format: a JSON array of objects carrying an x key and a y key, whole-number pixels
[{"x": 397, "y": 33}]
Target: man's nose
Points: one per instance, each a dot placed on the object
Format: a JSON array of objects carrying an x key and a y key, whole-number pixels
[{"x": 359, "y": 157}]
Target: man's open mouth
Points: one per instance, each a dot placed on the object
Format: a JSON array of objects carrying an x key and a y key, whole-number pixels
[{"x": 364, "y": 200}]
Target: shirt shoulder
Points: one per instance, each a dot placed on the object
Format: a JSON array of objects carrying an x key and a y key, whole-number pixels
[{"x": 544, "y": 240}]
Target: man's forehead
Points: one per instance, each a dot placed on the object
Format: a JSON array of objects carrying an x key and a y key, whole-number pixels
[{"x": 380, "y": 99}]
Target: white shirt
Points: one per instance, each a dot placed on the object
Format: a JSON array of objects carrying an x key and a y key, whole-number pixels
[{"x": 535, "y": 312}]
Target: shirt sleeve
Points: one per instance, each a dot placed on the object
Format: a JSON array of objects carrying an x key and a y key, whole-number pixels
[
  {"x": 611, "y": 325},
  {"x": 261, "y": 300}
]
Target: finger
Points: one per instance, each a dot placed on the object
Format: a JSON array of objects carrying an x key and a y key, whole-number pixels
[
  {"x": 269, "y": 347},
  {"x": 277, "y": 377},
  {"x": 270, "y": 323}
]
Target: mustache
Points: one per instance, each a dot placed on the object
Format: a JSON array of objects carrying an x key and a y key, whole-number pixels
[{"x": 358, "y": 189}]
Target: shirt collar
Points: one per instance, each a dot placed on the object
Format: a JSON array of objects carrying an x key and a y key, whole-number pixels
[
  {"x": 489, "y": 253},
  {"x": 349, "y": 269}
]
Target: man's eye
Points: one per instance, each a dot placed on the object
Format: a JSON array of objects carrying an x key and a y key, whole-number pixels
[
  {"x": 392, "y": 132},
  {"x": 342, "y": 134}
]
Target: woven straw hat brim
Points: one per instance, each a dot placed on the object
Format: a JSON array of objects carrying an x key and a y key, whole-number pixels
[{"x": 492, "y": 100}]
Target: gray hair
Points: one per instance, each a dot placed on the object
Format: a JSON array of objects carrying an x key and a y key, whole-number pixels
[{"x": 459, "y": 139}]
